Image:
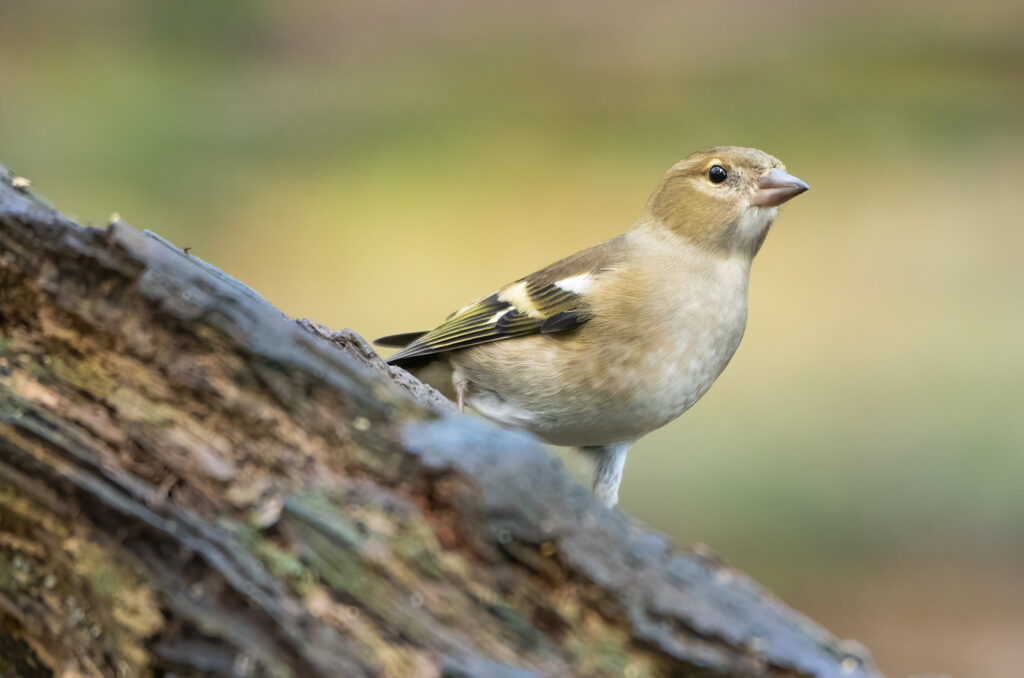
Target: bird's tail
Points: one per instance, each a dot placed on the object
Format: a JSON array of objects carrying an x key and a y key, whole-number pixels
[{"x": 398, "y": 340}]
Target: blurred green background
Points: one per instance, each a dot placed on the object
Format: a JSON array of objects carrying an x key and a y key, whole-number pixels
[{"x": 376, "y": 165}]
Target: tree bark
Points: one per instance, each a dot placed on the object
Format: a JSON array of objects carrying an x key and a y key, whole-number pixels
[{"x": 193, "y": 484}]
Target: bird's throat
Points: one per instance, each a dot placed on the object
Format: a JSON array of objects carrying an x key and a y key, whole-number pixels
[{"x": 749, "y": 230}]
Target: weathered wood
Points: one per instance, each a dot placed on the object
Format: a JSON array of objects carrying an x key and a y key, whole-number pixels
[{"x": 193, "y": 484}]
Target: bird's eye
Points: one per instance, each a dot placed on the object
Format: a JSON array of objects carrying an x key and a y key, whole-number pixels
[{"x": 717, "y": 174}]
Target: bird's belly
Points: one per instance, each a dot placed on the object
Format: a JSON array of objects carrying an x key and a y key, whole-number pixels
[{"x": 603, "y": 398}]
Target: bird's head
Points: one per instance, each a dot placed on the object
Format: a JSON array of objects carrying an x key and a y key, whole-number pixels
[{"x": 724, "y": 198}]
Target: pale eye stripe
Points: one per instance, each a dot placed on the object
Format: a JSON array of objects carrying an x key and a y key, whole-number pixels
[{"x": 576, "y": 284}]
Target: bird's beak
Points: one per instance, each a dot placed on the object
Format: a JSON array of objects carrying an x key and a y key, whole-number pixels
[{"x": 777, "y": 187}]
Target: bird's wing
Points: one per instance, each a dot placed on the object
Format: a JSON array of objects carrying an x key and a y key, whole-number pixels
[{"x": 554, "y": 299}]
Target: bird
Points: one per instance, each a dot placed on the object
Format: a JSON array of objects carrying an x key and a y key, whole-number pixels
[{"x": 604, "y": 346}]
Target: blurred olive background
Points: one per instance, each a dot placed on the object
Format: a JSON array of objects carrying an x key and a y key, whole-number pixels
[{"x": 376, "y": 165}]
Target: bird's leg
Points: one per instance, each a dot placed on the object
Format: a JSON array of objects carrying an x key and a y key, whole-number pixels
[
  {"x": 608, "y": 463},
  {"x": 460, "y": 395},
  {"x": 461, "y": 384}
]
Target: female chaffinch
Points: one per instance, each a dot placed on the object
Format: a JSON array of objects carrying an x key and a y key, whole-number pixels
[{"x": 604, "y": 346}]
